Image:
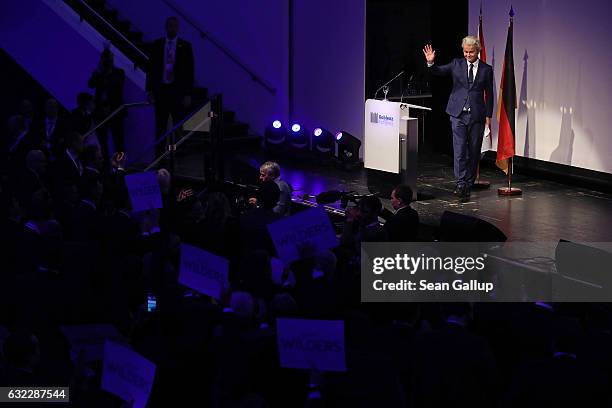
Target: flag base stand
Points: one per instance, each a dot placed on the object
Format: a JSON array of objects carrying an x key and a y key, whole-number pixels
[
  {"x": 481, "y": 185},
  {"x": 509, "y": 191}
]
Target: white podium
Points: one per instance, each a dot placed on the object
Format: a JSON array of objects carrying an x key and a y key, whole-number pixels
[{"x": 391, "y": 143}]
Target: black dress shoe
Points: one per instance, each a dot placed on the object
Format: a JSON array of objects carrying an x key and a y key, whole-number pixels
[
  {"x": 458, "y": 191},
  {"x": 465, "y": 194}
]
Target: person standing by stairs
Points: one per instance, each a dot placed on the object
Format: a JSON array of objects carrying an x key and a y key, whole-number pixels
[
  {"x": 170, "y": 77},
  {"x": 108, "y": 82}
]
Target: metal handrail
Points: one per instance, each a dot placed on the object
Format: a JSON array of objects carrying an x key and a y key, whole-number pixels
[
  {"x": 177, "y": 144},
  {"x": 168, "y": 133},
  {"x": 215, "y": 42},
  {"x": 112, "y": 114},
  {"x": 124, "y": 38}
]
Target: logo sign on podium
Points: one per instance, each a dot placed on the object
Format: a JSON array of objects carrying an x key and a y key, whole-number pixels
[
  {"x": 311, "y": 344},
  {"x": 144, "y": 192},
  {"x": 127, "y": 374},
  {"x": 307, "y": 230},
  {"x": 202, "y": 271}
]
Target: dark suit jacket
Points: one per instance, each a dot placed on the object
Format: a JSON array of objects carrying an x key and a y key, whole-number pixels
[
  {"x": 54, "y": 143},
  {"x": 65, "y": 172},
  {"x": 111, "y": 86},
  {"x": 483, "y": 82},
  {"x": 403, "y": 226},
  {"x": 29, "y": 182},
  {"x": 183, "y": 66},
  {"x": 87, "y": 222},
  {"x": 80, "y": 122}
]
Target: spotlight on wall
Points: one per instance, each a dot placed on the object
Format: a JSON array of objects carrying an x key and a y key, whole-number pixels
[
  {"x": 275, "y": 134},
  {"x": 348, "y": 147},
  {"x": 323, "y": 142},
  {"x": 298, "y": 137}
]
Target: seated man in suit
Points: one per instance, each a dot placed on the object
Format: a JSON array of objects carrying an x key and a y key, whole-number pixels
[
  {"x": 68, "y": 167},
  {"x": 271, "y": 171},
  {"x": 32, "y": 178},
  {"x": 50, "y": 131},
  {"x": 404, "y": 225}
]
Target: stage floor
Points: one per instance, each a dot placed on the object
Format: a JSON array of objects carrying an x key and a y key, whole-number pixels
[{"x": 546, "y": 211}]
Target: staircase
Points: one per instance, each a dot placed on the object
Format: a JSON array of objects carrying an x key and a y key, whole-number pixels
[{"x": 121, "y": 33}]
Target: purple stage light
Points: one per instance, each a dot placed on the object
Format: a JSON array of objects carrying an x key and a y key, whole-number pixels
[
  {"x": 295, "y": 127},
  {"x": 276, "y": 124},
  {"x": 338, "y": 135},
  {"x": 317, "y": 132}
]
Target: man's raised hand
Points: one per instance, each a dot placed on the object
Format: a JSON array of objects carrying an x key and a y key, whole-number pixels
[{"x": 429, "y": 53}]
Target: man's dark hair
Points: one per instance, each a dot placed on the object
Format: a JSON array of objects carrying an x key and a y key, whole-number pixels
[
  {"x": 170, "y": 19},
  {"x": 404, "y": 193}
]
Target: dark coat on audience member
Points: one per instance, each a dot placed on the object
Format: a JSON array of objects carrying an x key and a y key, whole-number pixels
[{"x": 403, "y": 226}]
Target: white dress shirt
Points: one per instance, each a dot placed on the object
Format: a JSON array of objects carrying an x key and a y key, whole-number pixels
[{"x": 169, "y": 60}]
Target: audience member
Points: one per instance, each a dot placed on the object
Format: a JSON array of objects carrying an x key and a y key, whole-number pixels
[
  {"x": 271, "y": 171},
  {"x": 82, "y": 117},
  {"x": 108, "y": 82},
  {"x": 33, "y": 178},
  {"x": 404, "y": 225},
  {"x": 50, "y": 131},
  {"x": 69, "y": 168}
]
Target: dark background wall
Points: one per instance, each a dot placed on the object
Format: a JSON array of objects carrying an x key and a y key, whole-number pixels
[{"x": 396, "y": 31}]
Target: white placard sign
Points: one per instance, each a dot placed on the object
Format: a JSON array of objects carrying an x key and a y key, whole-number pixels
[
  {"x": 144, "y": 192},
  {"x": 307, "y": 228},
  {"x": 127, "y": 374},
  {"x": 311, "y": 343},
  {"x": 202, "y": 271}
]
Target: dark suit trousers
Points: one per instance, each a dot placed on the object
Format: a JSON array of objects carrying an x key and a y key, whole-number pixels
[
  {"x": 116, "y": 129},
  {"x": 467, "y": 141},
  {"x": 168, "y": 102}
]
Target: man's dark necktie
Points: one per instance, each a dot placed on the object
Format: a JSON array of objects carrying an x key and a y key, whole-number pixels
[{"x": 471, "y": 75}]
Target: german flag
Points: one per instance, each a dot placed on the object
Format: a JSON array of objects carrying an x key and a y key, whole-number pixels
[{"x": 506, "y": 106}]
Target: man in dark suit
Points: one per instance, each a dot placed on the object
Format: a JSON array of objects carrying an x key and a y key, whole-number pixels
[
  {"x": 169, "y": 78},
  {"x": 81, "y": 118},
  {"x": 470, "y": 111},
  {"x": 33, "y": 178},
  {"x": 108, "y": 83},
  {"x": 404, "y": 225},
  {"x": 50, "y": 131},
  {"x": 68, "y": 167}
]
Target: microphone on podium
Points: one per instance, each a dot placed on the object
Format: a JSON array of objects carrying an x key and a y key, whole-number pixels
[{"x": 385, "y": 86}]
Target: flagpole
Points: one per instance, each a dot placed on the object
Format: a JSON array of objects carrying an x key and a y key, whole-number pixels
[
  {"x": 478, "y": 183},
  {"x": 509, "y": 190}
]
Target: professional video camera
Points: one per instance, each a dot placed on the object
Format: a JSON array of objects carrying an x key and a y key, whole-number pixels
[{"x": 345, "y": 197}]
